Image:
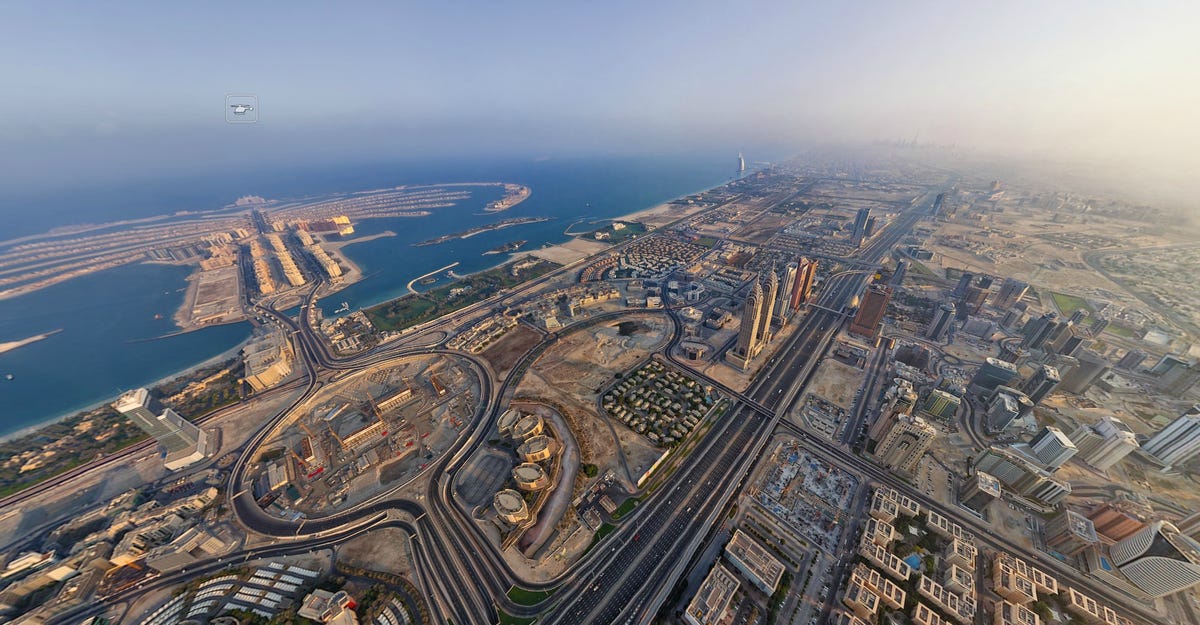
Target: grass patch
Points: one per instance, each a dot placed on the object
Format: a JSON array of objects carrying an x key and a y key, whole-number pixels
[
  {"x": 626, "y": 507},
  {"x": 1122, "y": 331},
  {"x": 708, "y": 242},
  {"x": 605, "y": 530},
  {"x": 521, "y": 596},
  {"x": 508, "y": 619},
  {"x": 1070, "y": 303},
  {"x": 411, "y": 310}
]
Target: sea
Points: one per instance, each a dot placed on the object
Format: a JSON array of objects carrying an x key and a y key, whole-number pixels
[{"x": 116, "y": 325}]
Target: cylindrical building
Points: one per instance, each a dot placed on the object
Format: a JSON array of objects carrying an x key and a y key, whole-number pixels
[
  {"x": 536, "y": 449},
  {"x": 1159, "y": 559},
  {"x": 530, "y": 477},
  {"x": 510, "y": 505},
  {"x": 530, "y": 425}
]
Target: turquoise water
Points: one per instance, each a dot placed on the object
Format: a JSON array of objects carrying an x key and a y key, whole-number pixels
[{"x": 106, "y": 317}]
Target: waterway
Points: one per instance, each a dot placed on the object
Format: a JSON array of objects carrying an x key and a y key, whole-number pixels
[{"x": 106, "y": 317}]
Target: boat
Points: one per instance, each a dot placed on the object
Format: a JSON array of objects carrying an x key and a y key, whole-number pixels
[
  {"x": 9, "y": 376},
  {"x": 343, "y": 308},
  {"x": 158, "y": 316}
]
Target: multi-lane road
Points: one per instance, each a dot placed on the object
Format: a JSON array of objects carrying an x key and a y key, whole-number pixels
[{"x": 628, "y": 575}]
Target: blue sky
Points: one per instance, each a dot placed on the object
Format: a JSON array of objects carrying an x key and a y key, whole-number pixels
[{"x": 112, "y": 90}]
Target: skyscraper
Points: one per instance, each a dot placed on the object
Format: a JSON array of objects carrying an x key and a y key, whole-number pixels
[
  {"x": 1051, "y": 447},
  {"x": 1178, "y": 442},
  {"x": 860, "y": 227},
  {"x": 806, "y": 270},
  {"x": 183, "y": 443},
  {"x": 1043, "y": 381},
  {"x": 1131, "y": 360},
  {"x": 905, "y": 443},
  {"x": 871, "y": 311},
  {"x": 768, "y": 307},
  {"x": 1090, "y": 367},
  {"x": 1036, "y": 331},
  {"x": 993, "y": 373},
  {"x": 964, "y": 281},
  {"x": 940, "y": 325},
  {"x": 1070, "y": 533},
  {"x": 748, "y": 338},
  {"x": 1159, "y": 559},
  {"x": 787, "y": 286},
  {"x": 1104, "y": 444},
  {"x": 1011, "y": 292}
]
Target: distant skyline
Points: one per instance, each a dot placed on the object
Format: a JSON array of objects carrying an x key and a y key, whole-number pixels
[{"x": 108, "y": 93}]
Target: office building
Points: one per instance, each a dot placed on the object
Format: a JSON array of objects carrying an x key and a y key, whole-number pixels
[
  {"x": 182, "y": 442},
  {"x": 1067, "y": 341},
  {"x": 871, "y": 311},
  {"x": 1190, "y": 525},
  {"x": 770, "y": 293},
  {"x": 1178, "y": 380},
  {"x": 1070, "y": 533},
  {"x": 1167, "y": 363},
  {"x": 1159, "y": 559},
  {"x": 1177, "y": 443},
  {"x": 1090, "y": 368},
  {"x": 806, "y": 272},
  {"x": 979, "y": 491},
  {"x": 1021, "y": 475},
  {"x": 939, "y": 327},
  {"x": 860, "y": 227},
  {"x": 1006, "y": 405},
  {"x": 964, "y": 281},
  {"x": 905, "y": 443},
  {"x": 1043, "y": 381},
  {"x": 709, "y": 604},
  {"x": 992, "y": 374},
  {"x": 1113, "y": 523},
  {"x": 749, "y": 341},
  {"x": 972, "y": 301},
  {"x": 1105, "y": 443},
  {"x": 1051, "y": 447},
  {"x": 754, "y": 561},
  {"x": 787, "y": 285},
  {"x": 1132, "y": 360},
  {"x": 940, "y": 405},
  {"x": 1038, "y": 330}
]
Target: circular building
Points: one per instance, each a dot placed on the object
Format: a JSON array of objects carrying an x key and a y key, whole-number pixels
[
  {"x": 510, "y": 505},
  {"x": 529, "y": 425},
  {"x": 536, "y": 449},
  {"x": 530, "y": 477},
  {"x": 507, "y": 421}
]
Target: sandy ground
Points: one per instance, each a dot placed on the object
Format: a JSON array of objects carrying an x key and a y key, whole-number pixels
[
  {"x": 570, "y": 251},
  {"x": 580, "y": 365},
  {"x": 385, "y": 550},
  {"x": 836, "y": 382}
]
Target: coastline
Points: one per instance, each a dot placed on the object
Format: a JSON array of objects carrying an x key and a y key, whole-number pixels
[
  {"x": 348, "y": 279},
  {"x": 33, "y": 429}
]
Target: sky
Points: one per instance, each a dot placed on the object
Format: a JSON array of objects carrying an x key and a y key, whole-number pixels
[{"x": 101, "y": 92}]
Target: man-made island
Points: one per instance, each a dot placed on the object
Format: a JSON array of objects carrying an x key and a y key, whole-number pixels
[
  {"x": 511, "y": 246},
  {"x": 466, "y": 234},
  {"x": 513, "y": 194}
]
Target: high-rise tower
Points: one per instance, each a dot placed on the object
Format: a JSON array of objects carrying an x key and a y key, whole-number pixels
[
  {"x": 770, "y": 294},
  {"x": 748, "y": 337},
  {"x": 1178, "y": 442},
  {"x": 183, "y": 442}
]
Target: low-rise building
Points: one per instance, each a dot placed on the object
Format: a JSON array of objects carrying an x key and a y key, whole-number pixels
[
  {"x": 888, "y": 592},
  {"x": 754, "y": 561},
  {"x": 885, "y": 560},
  {"x": 1089, "y": 609},
  {"x": 861, "y": 600},
  {"x": 1014, "y": 614},
  {"x": 709, "y": 605}
]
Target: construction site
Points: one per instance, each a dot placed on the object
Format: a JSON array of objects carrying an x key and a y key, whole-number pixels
[{"x": 365, "y": 435}]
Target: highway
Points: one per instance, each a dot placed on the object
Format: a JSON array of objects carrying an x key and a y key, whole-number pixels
[{"x": 460, "y": 569}]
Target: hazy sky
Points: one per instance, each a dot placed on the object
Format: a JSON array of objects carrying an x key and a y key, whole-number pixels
[{"x": 132, "y": 89}]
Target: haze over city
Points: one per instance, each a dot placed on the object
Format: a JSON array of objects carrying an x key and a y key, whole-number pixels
[
  {"x": 136, "y": 89},
  {"x": 533, "y": 313}
]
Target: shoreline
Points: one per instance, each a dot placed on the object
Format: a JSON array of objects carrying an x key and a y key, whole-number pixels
[{"x": 33, "y": 429}]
